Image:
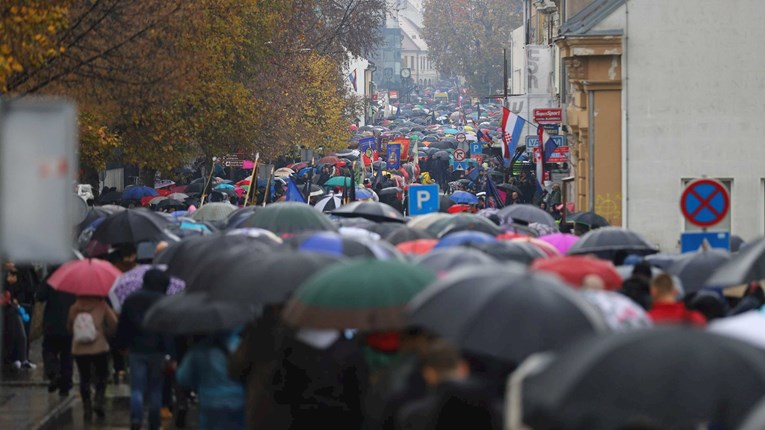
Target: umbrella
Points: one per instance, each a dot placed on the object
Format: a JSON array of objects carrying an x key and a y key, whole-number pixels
[
  {"x": 132, "y": 281},
  {"x": 330, "y": 159},
  {"x": 748, "y": 327},
  {"x": 576, "y": 269},
  {"x": 444, "y": 260},
  {"x": 89, "y": 277},
  {"x": 223, "y": 187},
  {"x": 406, "y": 234},
  {"x": 440, "y": 155},
  {"x": 215, "y": 211},
  {"x": 262, "y": 235},
  {"x": 695, "y": 268},
  {"x": 329, "y": 203},
  {"x": 463, "y": 222},
  {"x": 519, "y": 252},
  {"x": 178, "y": 196},
  {"x": 444, "y": 203},
  {"x": 590, "y": 219},
  {"x": 747, "y": 266},
  {"x": 620, "y": 313},
  {"x": 338, "y": 245},
  {"x": 417, "y": 247},
  {"x": 509, "y": 188},
  {"x": 289, "y": 218},
  {"x": 374, "y": 211},
  {"x": 130, "y": 226},
  {"x": 338, "y": 181},
  {"x": 197, "y": 313},
  {"x": 504, "y": 312},
  {"x": 136, "y": 192},
  {"x": 708, "y": 380},
  {"x": 364, "y": 295},
  {"x": 237, "y": 217},
  {"x": 110, "y": 197},
  {"x": 464, "y": 197},
  {"x": 465, "y": 238},
  {"x": 561, "y": 241},
  {"x": 528, "y": 214},
  {"x": 269, "y": 279},
  {"x": 157, "y": 200},
  {"x": 170, "y": 203},
  {"x": 423, "y": 222},
  {"x": 284, "y": 172},
  {"x": 542, "y": 245},
  {"x": 608, "y": 242}
]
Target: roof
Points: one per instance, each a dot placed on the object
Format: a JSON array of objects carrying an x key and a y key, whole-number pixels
[{"x": 587, "y": 18}]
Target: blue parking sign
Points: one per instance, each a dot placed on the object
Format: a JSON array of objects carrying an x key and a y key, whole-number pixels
[
  {"x": 476, "y": 148},
  {"x": 423, "y": 199}
]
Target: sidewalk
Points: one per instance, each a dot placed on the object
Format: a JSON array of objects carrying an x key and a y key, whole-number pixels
[{"x": 26, "y": 404}]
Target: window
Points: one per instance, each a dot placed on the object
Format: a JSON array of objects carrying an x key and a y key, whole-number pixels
[
  {"x": 411, "y": 59},
  {"x": 725, "y": 224}
]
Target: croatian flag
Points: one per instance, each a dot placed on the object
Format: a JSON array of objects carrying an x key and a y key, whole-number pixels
[{"x": 512, "y": 126}]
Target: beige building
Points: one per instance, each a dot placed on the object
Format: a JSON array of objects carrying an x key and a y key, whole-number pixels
[
  {"x": 590, "y": 44},
  {"x": 414, "y": 53}
]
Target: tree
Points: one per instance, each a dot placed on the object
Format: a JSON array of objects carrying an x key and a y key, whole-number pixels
[{"x": 466, "y": 38}]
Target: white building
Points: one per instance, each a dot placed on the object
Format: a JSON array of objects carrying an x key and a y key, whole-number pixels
[
  {"x": 692, "y": 106},
  {"x": 357, "y": 80}
]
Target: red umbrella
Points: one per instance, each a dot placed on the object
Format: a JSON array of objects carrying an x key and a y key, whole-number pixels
[
  {"x": 575, "y": 268},
  {"x": 88, "y": 277},
  {"x": 548, "y": 249},
  {"x": 418, "y": 246},
  {"x": 510, "y": 236}
]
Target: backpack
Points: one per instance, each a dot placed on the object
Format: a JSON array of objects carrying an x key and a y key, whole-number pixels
[{"x": 84, "y": 329}]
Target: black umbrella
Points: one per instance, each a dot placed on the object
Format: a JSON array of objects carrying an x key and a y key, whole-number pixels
[
  {"x": 440, "y": 155},
  {"x": 509, "y": 188},
  {"x": 185, "y": 259},
  {"x": 695, "y": 268},
  {"x": 528, "y": 214},
  {"x": 506, "y": 313},
  {"x": 406, "y": 234},
  {"x": 375, "y": 211},
  {"x": 519, "y": 252},
  {"x": 745, "y": 267},
  {"x": 463, "y": 222},
  {"x": 170, "y": 204},
  {"x": 590, "y": 219},
  {"x": 442, "y": 144},
  {"x": 389, "y": 191},
  {"x": 608, "y": 242},
  {"x": 269, "y": 279},
  {"x": 196, "y": 313},
  {"x": 444, "y": 260},
  {"x": 671, "y": 378},
  {"x": 236, "y": 218},
  {"x": 444, "y": 203},
  {"x": 195, "y": 187},
  {"x": 131, "y": 226}
]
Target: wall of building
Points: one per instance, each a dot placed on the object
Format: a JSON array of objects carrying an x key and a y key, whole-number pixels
[{"x": 694, "y": 94}]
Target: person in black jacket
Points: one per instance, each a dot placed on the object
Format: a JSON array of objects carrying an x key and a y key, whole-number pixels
[
  {"x": 146, "y": 349},
  {"x": 57, "y": 342}
]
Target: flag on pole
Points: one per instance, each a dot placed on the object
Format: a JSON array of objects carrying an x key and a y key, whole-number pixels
[
  {"x": 293, "y": 192},
  {"x": 512, "y": 126},
  {"x": 546, "y": 148},
  {"x": 352, "y": 78}
]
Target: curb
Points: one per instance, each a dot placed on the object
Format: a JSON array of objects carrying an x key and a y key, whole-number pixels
[{"x": 55, "y": 417}]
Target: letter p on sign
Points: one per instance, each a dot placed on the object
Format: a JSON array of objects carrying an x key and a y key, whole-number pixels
[{"x": 423, "y": 199}]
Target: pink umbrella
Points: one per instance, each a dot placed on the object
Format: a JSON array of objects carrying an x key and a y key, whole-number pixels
[
  {"x": 88, "y": 277},
  {"x": 561, "y": 241}
]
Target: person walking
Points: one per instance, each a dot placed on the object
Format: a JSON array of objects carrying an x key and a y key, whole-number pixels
[
  {"x": 666, "y": 308},
  {"x": 204, "y": 369},
  {"x": 146, "y": 350},
  {"x": 57, "y": 341},
  {"x": 90, "y": 322}
]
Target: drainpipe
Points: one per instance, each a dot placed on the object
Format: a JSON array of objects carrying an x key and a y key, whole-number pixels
[{"x": 591, "y": 150}]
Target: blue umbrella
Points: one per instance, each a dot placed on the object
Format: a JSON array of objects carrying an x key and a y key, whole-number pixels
[
  {"x": 304, "y": 171},
  {"x": 137, "y": 192},
  {"x": 465, "y": 238},
  {"x": 450, "y": 131},
  {"x": 223, "y": 187},
  {"x": 464, "y": 197}
]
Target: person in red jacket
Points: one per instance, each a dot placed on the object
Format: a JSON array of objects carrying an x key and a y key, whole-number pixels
[{"x": 666, "y": 308}]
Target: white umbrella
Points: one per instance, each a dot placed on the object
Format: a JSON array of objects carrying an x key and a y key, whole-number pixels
[
  {"x": 329, "y": 203},
  {"x": 283, "y": 172},
  {"x": 749, "y": 327},
  {"x": 178, "y": 196}
]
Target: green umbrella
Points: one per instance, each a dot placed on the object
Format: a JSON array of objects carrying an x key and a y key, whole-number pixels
[
  {"x": 367, "y": 295},
  {"x": 214, "y": 211},
  {"x": 338, "y": 181},
  {"x": 289, "y": 218}
]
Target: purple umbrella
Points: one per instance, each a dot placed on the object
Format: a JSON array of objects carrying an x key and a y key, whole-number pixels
[
  {"x": 561, "y": 241},
  {"x": 132, "y": 281}
]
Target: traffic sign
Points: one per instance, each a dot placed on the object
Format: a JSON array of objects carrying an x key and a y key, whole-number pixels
[
  {"x": 459, "y": 155},
  {"x": 533, "y": 142},
  {"x": 548, "y": 115},
  {"x": 476, "y": 148},
  {"x": 705, "y": 202},
  {"x": 232, "y": 160},
  {"x": 692, "y": 241},
  {"x": 460, "y": 137},
  {"x": 423, "y": 199},
  {"x": 460, "y": 129},
  {"x": 460, "y": 165},
  {"x": 477, "y": 157}
]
